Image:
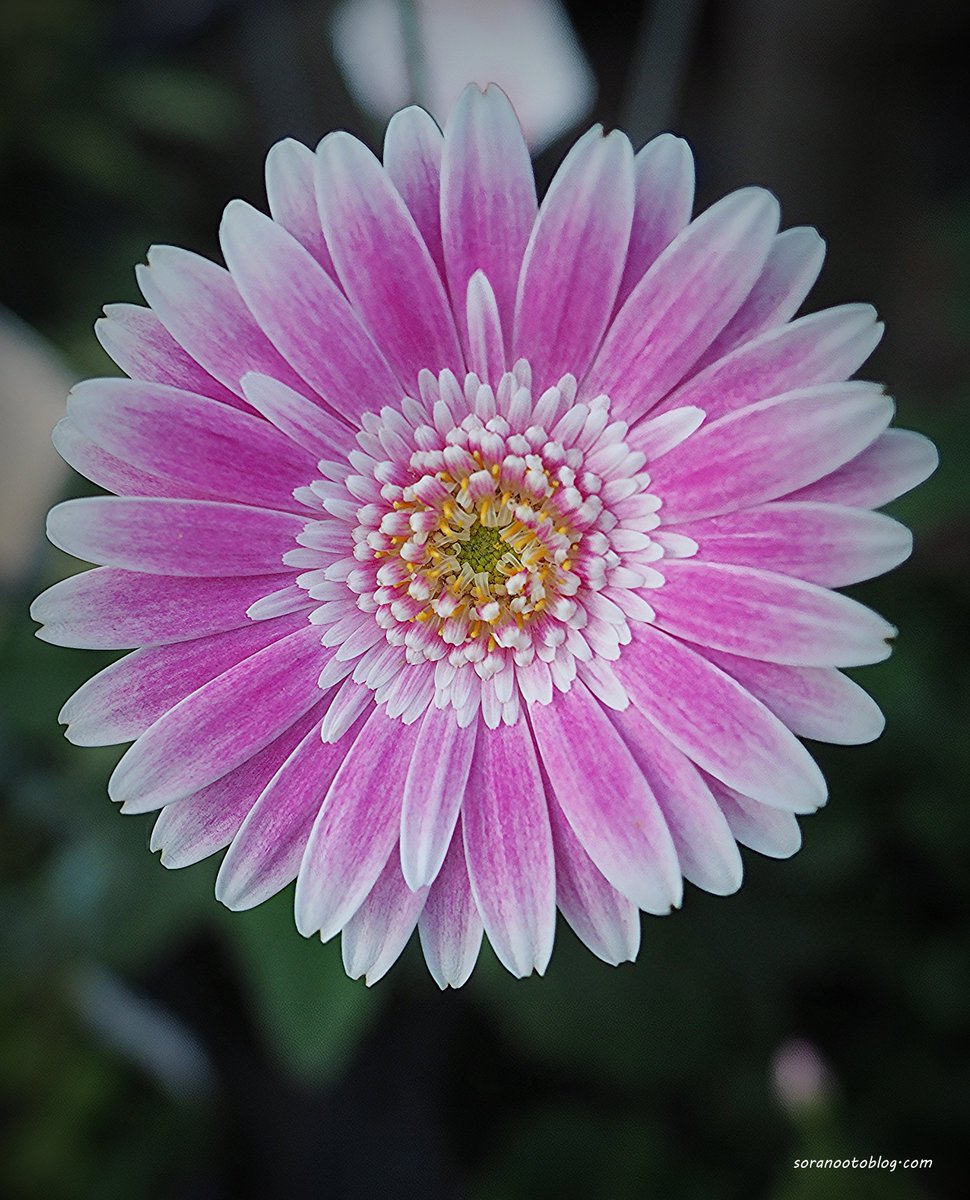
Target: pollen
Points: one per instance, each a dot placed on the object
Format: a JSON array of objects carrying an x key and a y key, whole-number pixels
[{"x": 482, "y": 549}]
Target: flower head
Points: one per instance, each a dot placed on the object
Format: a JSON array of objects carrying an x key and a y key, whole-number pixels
[{"x": 477, "y": 555}]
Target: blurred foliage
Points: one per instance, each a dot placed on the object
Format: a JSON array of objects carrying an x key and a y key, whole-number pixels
[{"x": 651, "y": 1079}]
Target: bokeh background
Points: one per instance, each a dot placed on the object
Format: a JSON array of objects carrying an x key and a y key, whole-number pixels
[{"x": 153, "y": 1045}]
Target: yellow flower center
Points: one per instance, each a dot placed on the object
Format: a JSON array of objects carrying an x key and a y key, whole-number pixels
[{"x": 482, "y": 550}]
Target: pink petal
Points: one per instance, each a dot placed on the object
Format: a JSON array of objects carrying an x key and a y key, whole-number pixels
[
  {"x": 824, "y": 347},
  {"x": 682, "y": 303},
  {"x": 706, "y": 849},
  {"x": 606, "y": 799},
  {"x": 758, "y": 614},
  {"x": 357, "y": 827},
  {"x": 574, "y": 259},
  {"x": 663, "y": 172},
  {"x": 826, "y": 544},
  {"x": 508, "y": 849},
  {"x": 265, "y": 854},
  {"x": 412, "y": 159},
  {"x": 110, "y": 609},
  {"x": 302, "y": 421},
  {"x": 140, "y": 344},
  {"x": 174, "y": 537},
  {"x": 198, "y": 304},
  {"x": 814, "y": 702},
  {"x": 770, "y": 831},
  {"x": 351, "y": 700},
  {"x": 120, "y": 702},
  {"x": 110, "y": 472},
  {"x": 288, "y": 599},
  {"x": 373, "y": 938},
  {"x": 485, "y": 353},
  {"x": 201, "y": 824},
  {"x": 710, "y": 717},
  {"x": 191, "y": 440},
  {"x": 292, "y": 197},
  {"x": 383, "y": 262},
  {"x": 488, "y": 196},
  {"x": 601, "y": 918},
  {"x": 767, "y": 449},
  {"x": 657, "y": 436},
  {"x": 220, "y": 726},
  {"x": 790, "y": 270},
  {"x": 306, "y": 316},
  {"x": 449, "y": 926},
  {"x": 433, "y": 793},
  {"x": 895, "y": 463}
]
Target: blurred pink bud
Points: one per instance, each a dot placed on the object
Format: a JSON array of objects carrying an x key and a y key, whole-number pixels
[
  {"x": 527, "y": 47},
  {"x": 801, "y": 1078},
  {"x": 33, "y": 383}
]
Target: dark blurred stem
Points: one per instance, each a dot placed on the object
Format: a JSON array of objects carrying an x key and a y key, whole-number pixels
[
  {"x": 660, "y": 61},
  {"x": 413, "y": 50}
]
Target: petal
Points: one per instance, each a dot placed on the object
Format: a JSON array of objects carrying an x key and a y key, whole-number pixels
[
  {"x": 657, "y": 436},
  {"x": 109, "y": 609},
  {"x": 574, "y": 259},
  {"x": 109, "y": 472},
  {"x": 198, "y": 304},
  {"x": 706, "y": 849},
  {"x": 191, "y": 440},
  {"x": 814, "y": 702},
  {"x": 412, "y": 159},
  {"x": 302, "y": 421},
  {"x": 663, "y": 172},
  {"x": 895, "y": 463},
  {"x": 824, "y": 347},
  {"x": 373, "y": 938},
  {"x": 220, "y": 726},
  {"x": 292, "y": 197},
  {"x": 770, "y": 831},
  {"x": 201, "y": 824},
  {"x": 683, "y": 302},
  {"x": 508, "y": 849},
  {"x": 486, "y": 353},
  {"x": 758, "y": 614},
  {"x": 140, "y": 344},
  {"x": 768, "y": 449},
  {"x": 120, "y": 702},
  {"x": 382, "y": 261},
  {"x": 265, "y": 854},
  {"x": 174, "y": 537},
  {"x": 450, "y": 927},
  {"x": 433, "y": 793},
  {"x": 790, "y": 270},
  {"x": 488, "y": 196},
  {"x": 721, "y": 727},
  {"x": 357, "y": 827},
  {"x": 601, "y": 918},
  {"x": 606, "y": 799},
  {"x": 826, "y": 544},
  {"x": 305, "y": 314}
]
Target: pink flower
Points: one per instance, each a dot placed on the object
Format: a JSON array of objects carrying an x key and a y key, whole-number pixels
[{"x": 479, "y": 555}]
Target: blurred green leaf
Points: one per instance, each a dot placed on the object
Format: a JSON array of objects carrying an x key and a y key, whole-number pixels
[
  {"x": 311, "y": 1014},
  {"x": 177, "y": 103}
]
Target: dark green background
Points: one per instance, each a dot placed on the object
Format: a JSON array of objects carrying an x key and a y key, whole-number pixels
[{"x": 153, "y": 1045}]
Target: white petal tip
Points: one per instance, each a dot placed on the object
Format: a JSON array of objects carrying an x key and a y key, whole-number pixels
[
  {"x": 234, "y": 893},
  {"x": 305, "y": 926}
]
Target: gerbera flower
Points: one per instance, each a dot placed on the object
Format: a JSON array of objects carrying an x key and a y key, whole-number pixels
[{"x": 479, "y": 554}]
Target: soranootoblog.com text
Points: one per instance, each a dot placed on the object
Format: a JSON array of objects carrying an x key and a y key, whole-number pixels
[{"x": 872, "y": 1163}]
